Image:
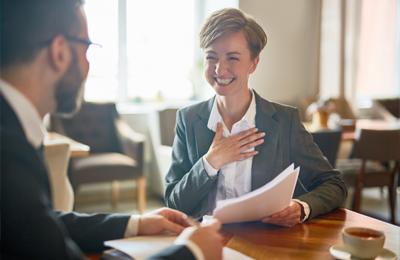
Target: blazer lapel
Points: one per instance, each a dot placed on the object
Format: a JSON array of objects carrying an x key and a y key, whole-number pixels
[
  {"x": 203, "y": 135},
  {"x": 204, "y": 138},
  {"x": 9, "y": 122},
  {"x": 264, "y": 161}
]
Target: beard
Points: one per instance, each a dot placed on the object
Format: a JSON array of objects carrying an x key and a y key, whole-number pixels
[{"x": 69, "y": 90}]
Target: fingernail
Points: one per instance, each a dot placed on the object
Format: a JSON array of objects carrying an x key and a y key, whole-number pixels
[
  {"x": 255, "y": 130},
  {"x": 262, "y": 134}
]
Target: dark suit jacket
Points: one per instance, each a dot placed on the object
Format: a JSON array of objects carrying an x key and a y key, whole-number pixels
[
  {"x": 30, "y": 229},
  {"x": 190, "y": 189}
]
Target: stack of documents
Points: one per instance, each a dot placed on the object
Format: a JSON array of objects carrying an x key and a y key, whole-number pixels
[{"x": 265, "y": 201}]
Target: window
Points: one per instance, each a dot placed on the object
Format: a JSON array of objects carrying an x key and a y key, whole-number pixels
[
  {"x": 330, "y": 48},
  {"x": 160, "y": 47},
  {"x": 150, "y": 49},
  {"x": 147, "y": 50},
  {"x": 102, "y": 83},
  {"x": 371, "y": 51},
  {"x": 378, "y": 63}
]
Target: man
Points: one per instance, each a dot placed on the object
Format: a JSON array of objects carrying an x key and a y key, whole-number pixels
[{"x": 43, "y": 65}]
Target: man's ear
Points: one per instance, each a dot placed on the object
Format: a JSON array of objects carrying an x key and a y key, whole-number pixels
[
  {"x": 59, "y": 54},
  {"x": 255, "y": 63}
]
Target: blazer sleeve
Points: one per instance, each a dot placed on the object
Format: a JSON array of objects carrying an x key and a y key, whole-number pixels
[
  {"x": 188, "y": 185},
  {"x": 324, "y": 188},
  {"x": 29, "y": 227},
  {"x": 90, "y": 231}
]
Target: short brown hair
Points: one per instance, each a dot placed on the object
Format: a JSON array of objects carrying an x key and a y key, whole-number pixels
[{"x": 233, "y": 20}]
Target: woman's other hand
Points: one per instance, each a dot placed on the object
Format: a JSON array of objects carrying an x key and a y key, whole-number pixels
[{"x": 288, "y": 217}]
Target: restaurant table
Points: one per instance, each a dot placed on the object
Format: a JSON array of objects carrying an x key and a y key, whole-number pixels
[
  {"x": 309, "y": 240},
  {"x": 76, "y": 149}
]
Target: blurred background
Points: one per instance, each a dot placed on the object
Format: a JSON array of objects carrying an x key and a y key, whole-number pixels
[
  {"x": 150, "y": 49},
  {"x": 345, "y": 51}
]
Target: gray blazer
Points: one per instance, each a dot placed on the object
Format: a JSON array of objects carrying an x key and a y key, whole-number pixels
[{"x": 190, "y": 189}]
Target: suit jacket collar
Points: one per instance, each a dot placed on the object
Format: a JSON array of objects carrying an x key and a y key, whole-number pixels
[
  {"x": 262, "y": 106},
  {"x": 216, "y": 117},
  {"x": 9, "y": 119},
  {"x": 205, "y": 110},
  {"x": 203, "y": 135},
  {"x": 17, "y": 142},
  {"x": 263, "y": 162}
]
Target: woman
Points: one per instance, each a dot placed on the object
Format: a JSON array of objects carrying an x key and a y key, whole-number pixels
[{"x": 237, "y": 141}]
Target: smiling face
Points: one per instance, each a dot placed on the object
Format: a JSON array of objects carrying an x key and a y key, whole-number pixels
[{"x": 228, "y": 64}]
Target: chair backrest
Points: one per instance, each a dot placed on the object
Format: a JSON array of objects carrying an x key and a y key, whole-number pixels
[
  {"x": 93, "y": 125},
  {"x": 56, "y": 157},
  {"x": 391, "y": 105},
  {"x": 167, "y": 119},
  {"x": 377, "y": 145},
  {"x": 328, "y": 142}
]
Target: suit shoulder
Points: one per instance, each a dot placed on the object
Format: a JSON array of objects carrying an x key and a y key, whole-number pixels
[
  {"x": 284, "y": 108},
  {"x": 278, "y": 108}
]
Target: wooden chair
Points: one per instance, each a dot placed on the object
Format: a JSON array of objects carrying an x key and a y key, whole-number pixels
[
  {"x": 374, "y": 163},
  {"x": 328, "y": 142},
  {"x": 116, "y": 151}
]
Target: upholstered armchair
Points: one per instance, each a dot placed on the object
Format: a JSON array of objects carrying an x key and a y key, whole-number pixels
[{"x": 116, "y": 151}]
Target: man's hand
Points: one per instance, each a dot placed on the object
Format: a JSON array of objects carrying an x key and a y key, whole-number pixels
[
  {"x": 160, "y": 220},
  {"x": 224, "y": 151},
  {"x": 207, "y": 238},
  {"x": 288, "y": 217}
]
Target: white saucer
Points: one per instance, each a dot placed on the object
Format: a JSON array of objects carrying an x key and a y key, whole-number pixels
[{"x": 339, "y": 251}]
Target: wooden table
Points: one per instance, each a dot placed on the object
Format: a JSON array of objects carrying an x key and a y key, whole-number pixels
[
  {"x": 77, "y": 149},
  {"x": 310, "y": 240}
]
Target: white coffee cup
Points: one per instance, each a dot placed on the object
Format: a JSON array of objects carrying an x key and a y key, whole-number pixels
[{"x": 362, "y": 242}]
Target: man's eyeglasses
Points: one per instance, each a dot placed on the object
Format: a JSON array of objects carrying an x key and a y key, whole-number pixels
[
  {"x": 82, "y": 41},
  {"x": 75, "y": 39}
]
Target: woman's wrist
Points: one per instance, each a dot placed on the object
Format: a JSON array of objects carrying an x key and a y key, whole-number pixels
[{"x": 211, "y": 162}]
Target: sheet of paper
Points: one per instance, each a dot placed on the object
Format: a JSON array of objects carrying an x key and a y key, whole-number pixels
[
  {"x": 265, "y": 201},
  {"x": 230, "y": 254},
  {"x": 141, "y": 247}
]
